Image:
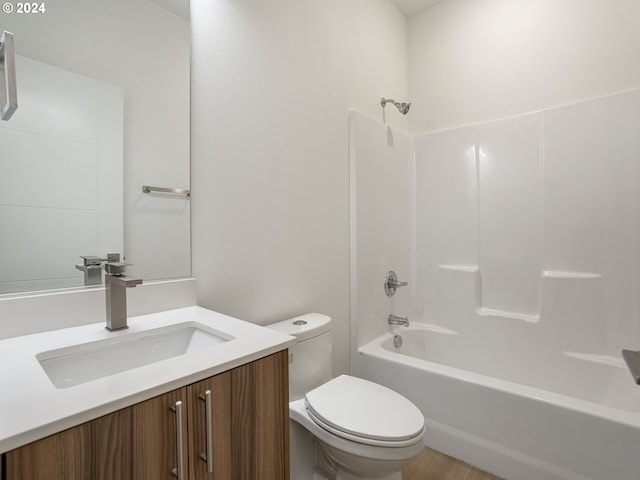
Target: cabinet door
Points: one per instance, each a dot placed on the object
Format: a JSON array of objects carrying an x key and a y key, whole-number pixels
[
  {"x": 155, "y": 437},
  {"x": 112, "y": 442},
  {"x": 97, "y": 450},
  {"x": 63, "y": 456},
  {"x": 209, "y": 403},
  {"x": 260, "y": 419}
]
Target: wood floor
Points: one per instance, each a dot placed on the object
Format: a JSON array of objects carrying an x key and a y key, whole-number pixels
[{"x": 433, "y": 465}]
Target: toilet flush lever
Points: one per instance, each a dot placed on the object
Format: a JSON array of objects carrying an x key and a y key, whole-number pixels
[{"x": 391, "y": 283}]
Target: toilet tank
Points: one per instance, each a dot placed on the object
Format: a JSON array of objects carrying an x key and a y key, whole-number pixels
[{"x": 310, "y": 359}]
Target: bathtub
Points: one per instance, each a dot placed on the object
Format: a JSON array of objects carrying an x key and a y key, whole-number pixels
[{"x": 521, "y": 410}]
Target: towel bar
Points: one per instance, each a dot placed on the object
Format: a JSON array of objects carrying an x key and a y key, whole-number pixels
[
  {"x": 175, "y": 191},
  {"x": 9, "y": 92}
]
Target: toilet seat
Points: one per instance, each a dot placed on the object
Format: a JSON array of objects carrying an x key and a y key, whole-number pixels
[{"x": 365, "y": 412}]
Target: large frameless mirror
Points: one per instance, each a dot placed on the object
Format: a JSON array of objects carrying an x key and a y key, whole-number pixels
[{"x": 103, "y": 110}]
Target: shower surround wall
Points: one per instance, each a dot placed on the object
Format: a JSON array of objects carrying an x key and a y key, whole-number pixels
[
  {"x": 535, "y": 219},
  {"x": 381, "y": 219},
  {"x": 530, "y": 220}
]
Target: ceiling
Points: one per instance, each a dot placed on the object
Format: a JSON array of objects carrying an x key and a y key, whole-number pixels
[
  {"x": 409, "y": 7},
  {"x": 179, "y": 7}
]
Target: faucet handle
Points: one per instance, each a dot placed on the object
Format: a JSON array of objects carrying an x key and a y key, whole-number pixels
[
  {"x": 115, "y": 268},
  {"x": 391, "y": 283},
  {"x": 113, "y": 265},
  {"x": 90, "y": 260},
  {"x": 112, "y": 258}
]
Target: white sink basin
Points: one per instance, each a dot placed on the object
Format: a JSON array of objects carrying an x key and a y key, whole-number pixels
[{"x": 84, "y": 362}]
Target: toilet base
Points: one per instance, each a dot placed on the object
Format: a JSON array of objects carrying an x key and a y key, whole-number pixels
[{"x": 354, "y": 467}]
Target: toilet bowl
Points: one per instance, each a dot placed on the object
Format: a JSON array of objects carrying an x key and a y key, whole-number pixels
[
  {"x": 364, "y": 436},
  {"x": 345, "y": 428}
]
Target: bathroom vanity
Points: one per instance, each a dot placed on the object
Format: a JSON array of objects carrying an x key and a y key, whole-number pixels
[
  {"x": 249, "y": 434},
  {"x": 220, "y": 412}
]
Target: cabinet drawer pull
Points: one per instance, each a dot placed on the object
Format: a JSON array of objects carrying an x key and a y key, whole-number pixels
[
  {"x": 178, "y": 472},
  {"x": 208, "y": 456}
]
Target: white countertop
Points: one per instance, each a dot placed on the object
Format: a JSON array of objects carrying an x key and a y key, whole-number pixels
[{"x": 31, "y": 407}]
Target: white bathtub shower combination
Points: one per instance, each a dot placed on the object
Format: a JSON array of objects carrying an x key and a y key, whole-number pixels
[{"x": 519, "y": 240}]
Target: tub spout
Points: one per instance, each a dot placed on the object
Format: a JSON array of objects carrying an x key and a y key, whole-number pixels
[{"x": 396, "y": 320}]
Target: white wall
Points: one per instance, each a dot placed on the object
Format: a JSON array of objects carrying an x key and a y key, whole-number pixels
[
  {"x": 144, "y": 49},
  {"x": 272, "y": 85},
  {"x": 472, "y": 61}
]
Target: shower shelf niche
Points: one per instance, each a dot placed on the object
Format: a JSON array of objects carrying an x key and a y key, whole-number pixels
[
  {"x": 561, "y": 274},
  {"x": 529, "y": 317},
  {"x": 490, "y": 312},
  {"x": 460, "y": 268}
]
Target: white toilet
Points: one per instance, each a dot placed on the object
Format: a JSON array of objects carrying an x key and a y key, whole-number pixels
[{"x": 344, "y": 428}]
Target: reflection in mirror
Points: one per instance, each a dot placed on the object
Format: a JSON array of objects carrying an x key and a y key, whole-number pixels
[
  {"x": 103, "y": 95},
  {"x": 53, "y": 203}
]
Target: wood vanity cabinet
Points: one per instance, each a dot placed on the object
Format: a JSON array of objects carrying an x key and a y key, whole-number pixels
[{"x": 249, "y": 433}]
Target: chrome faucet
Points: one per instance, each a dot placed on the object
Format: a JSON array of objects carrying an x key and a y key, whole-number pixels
[
  {"x": 116, "y": 284},
  {"x": 396, "y": 320},
  {"x": 92, "y": 269}
]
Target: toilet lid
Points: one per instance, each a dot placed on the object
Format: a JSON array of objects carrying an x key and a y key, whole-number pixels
[{"x": 352, "y": 406}]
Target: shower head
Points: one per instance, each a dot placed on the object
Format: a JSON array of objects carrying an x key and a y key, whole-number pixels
[{"x": 403, "y": 108}]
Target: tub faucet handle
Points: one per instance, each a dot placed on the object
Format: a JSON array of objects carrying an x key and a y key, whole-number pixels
[{"x": 391, "y": 283}]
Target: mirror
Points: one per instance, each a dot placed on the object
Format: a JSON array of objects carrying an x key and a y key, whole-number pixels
[{"x": 103, "y": 109}]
